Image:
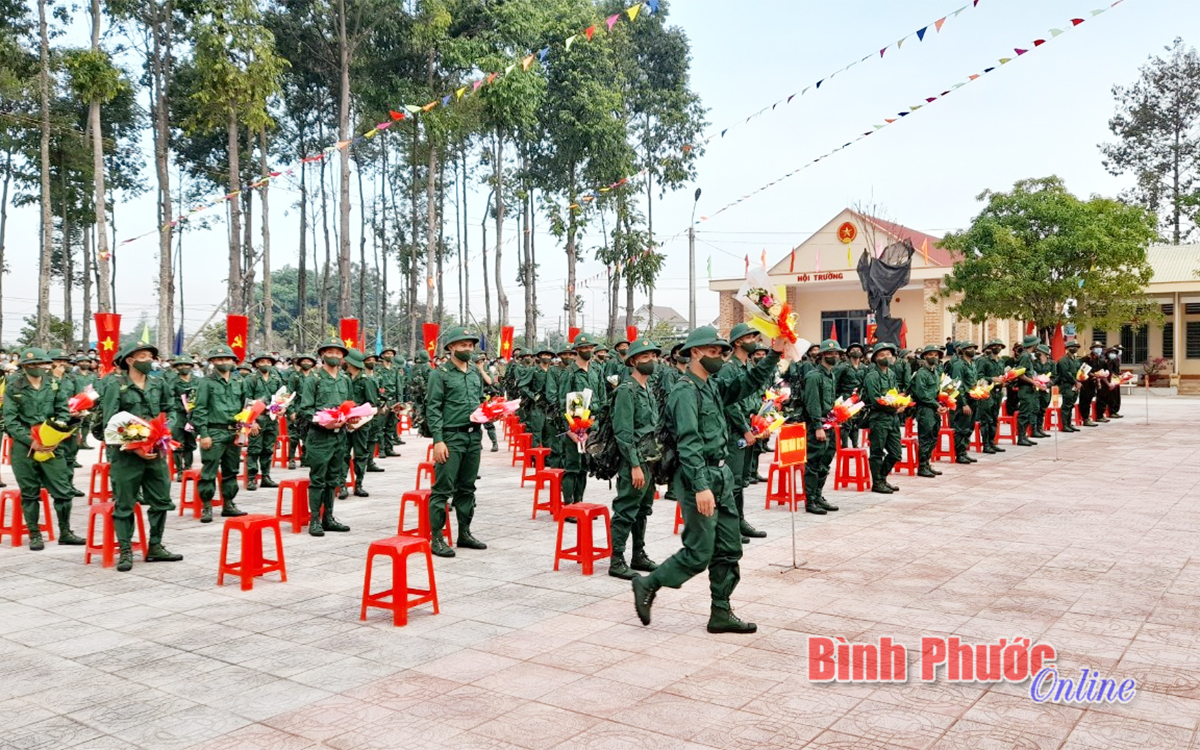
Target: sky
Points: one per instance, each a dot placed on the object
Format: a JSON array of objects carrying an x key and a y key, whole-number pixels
[{"x": 1043, "y": 113}]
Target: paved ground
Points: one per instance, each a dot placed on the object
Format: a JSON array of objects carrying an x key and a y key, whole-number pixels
[{"x": 1089, "y": 547}]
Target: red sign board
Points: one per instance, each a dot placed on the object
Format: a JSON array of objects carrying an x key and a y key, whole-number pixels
[{"x": 793, "y": 444}]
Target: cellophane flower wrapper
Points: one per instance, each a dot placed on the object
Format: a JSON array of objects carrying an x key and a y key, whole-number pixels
[
  {"x": 1084, "y": 371},
  {"x": 246, "y": 419},
  {"x": 359, "y": 415},
  {"x": 771, "y": 315},
  {"x": 280, "y": 403},
  {"x": 333, "y": 418},
  {"x": 1011, "y": 374},
  {"x": 1041, "y": 382},
  {"x": 148, "y": 439},
  {"x": 1125, "y": 378},
  {"x": 1101, "y": 374},
  {"x": 579, "y": 417},
  {"x": 49, "y": 435},
  {"x": 82, "y": 403},
  {"x": 494, "y": 409},
  {"x": 894, "y": 399},
  {"x": 766, "y": 422},
  {"x": 777, "y": 397},
  {"x": 844, "y": 409},
  {"x": 948, "y": 391},
  {"x": 981, "y": 391}
]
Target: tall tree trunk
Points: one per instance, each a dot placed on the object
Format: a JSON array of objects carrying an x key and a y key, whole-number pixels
[
  {"x": 302, "y": 279},
  {"x": 324, "y": 295},
  {"x": 441, "y": 239},
  {"x": 501, "y": 297},
  {"x": 43, "y": 307},
  {"x": 4, "y": 227},
  {"x": 533, "y": 327},
  {"x": 466, "y": 240},
  {"x": 571, "y": 230},
  {"x": 650, "y": 231},
  {"x": 98, "y": 176},
  {"x": 412, "y": 244},
  {"x": 343, "y": 134},
  {"x": 162, "y": 31},
  {"x": 268, "y": 311},
  {"x": 85, "y": 334},
  {"x": 527, "y": 274},
  {"x": 68, "y": 266},
  {"x": 362, "y": 253},
  {"x": 431, "y": 259},
  {"x": 235, "y": 304},
  {"x": 458, "y": 239},
  {"x": 385, "y": 180}
]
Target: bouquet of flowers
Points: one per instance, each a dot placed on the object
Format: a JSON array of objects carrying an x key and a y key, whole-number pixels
[
  {"x": 1010, "y": 375},
  {"x": 772, "y": 315},
  {"x": 400, "y": 408},
  {"x": 279, "y": 403},
  {"x": 189, "y": 403},
  {"x": 1041, "y": 382},
  {"x": 246, "y": 419},
  {"x": 81, "y": 403},
  {"x": 1100, "y": 374},
  {"x": 339, "y": 416},
  {"x": 844, "y": 409},
  {"x": 894, "y": 399},
  {"x": 149, "y": 440},
  {"x": 579, "y": 417},
  {"x": 777, "y": 396},
  {"x": 1085, "y": 370},
  {"x": 1125, "y": 378},
  {"x": 981, "y": 391},
  {"x": 359, "y": 416},
  {"x": 494, "y": 409},
  {"x": 46, "y": 437},
  {"x": 948, "y": 389},
  {"x": 767, "y": 420}
]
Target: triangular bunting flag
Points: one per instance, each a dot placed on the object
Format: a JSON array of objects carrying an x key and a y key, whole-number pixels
[
  {"x": 960, "y": 10},
  {"x": 396, "y": 115},
  {"x": 1005, "y": 60},
  {"x": 428, "y": 107},
  {"x": 445, "y": 100},
  {"x": 542, "y": 54},
  {"x": 380, "y": 126},
  {"x": 1098, "y": 11},
  {"x": 412, "y": 109},
  {"x": 930, "y": 98},
  {"x": 882, "y": 51},
  {"x": 921, "y": 34},
  {"x": 1076, "y": 21},
  {"x": 653, "y": 5},
  {"x": 342, "y": 144},
  {"x": 937, "y": 25},
  {"x": 915, "y": 107},
  {"x": 633, "y": 11},
  {"x": 509, "y": 69},
  {"x": 491, "y": 77},
  {"x": 612, "y": 20},
  {"x": 903, "y": 114},
  {"x": 475, "y": 86},
  {"x": 1038, "y": 42},
  {"x": 877, "y": 127},
  {"x": 526, "y": 62},
  {"x": 889, "y": 120},
  {"x": 820, "y": 82},
  {"x": 590, "y": 31},
  {"x": 1055, "y": 32},
  {"x": 960, "y": 85},
  {"x": 371, "y": 133},
  {"x": 790, "y": 98},
  {"x": 900, "y": 42},
  {"x": 571, "y": 40},
  {"x": 459, "y": 93},
  {"x": 988, "y": 70},
  {"x": 973, "y": 76}
]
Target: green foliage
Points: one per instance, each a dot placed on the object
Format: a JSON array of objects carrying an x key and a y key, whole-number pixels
[
  {"x": 1040, "y": 253},
  {"x": 93, "y": 76},
  {"x": 61, "y": 333}
]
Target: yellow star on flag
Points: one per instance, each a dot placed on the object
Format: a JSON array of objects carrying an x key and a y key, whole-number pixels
[
  {"x": 107, "y": 344},
  {"x": 349, "y": 343}
]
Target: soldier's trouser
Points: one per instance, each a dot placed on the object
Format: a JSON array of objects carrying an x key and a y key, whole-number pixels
[
  {"x": 131, "y": 473},
  {"x": 390, "y": 434},
  {"x": 262, "y": 447},
  {"x": 536, "y": 427},
  {"x": 361, "y": 448},
  {"x": 70, "y": 451},
  {"x": 631, "y": 507},
  {"x": 816, "y": 470},
  {"x": 1043, "y": 405},
  {"x": 454, "y": 481},
  {"x": 325, "y": 452},
  {"x": 185, "y": 455},
  {"x": 297, "y": 435},
  {"x": 1027, "y": 411},
  {"x": 491, "y": 431},
  {"x": 885, "y": 444},
  {"x": 574, "y": 480},
  {"x": 558, "y": 445},
  {"x": 224, "y": 456},
  {"x": 33, "y": 476},
  {"x": 850, "y": 432},
  {"x": 738, "y": 461},
  {"x": 929, "y": 424},
  {"x": 964, "y": 426},
  {"x": 1106, "y": 403},
  {"x": 1086, "y": 396},
  {"x": 988, "y": 414},
  {"x": 1069, "y": 397},
  {"x": 713, "y": 542}
]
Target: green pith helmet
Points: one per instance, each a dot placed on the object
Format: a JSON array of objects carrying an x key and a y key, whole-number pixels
[
  {"x": 703, "y": 336},
  {"x": 1030, "y": 340},
  {"x": 830, "y": 345},
  {"x": 32, "y": 355},
  {"x": 300, "y": 357},
  {"x": 459, "y": 333},
  {"x": 1043, "y": 349},
  {"x": 583, "y": 341},
  {"x": 262, "y": 355},
  {"x": 641, "y": 346},
  {"x": 854, "y": 344},
  {"x": 933, "y": 349},
  {"x": 882, "y": 346},
  {"x": 545, "y": 351},
  {"x": 354, "y": 358},
  {"x": 1072, "y": 344},
  {"x": 740, "y": 330},
  {"x": 333, "y": 343},
  {"x": 221, "y": 351},
  {"x": 422, "y": 356},
  {"x": 58, "y": 355},
  {"x": 995, "y": 342},
  {"x": 129, "y": 351},
  {"x": 387, "y": 349}
]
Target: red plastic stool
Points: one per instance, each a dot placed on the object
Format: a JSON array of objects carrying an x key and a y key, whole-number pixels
[
  {"x": 16, "y": 527},
  {"x": 678, "y": 517},
  {"x": 521, "y": 447},
  {"x": 788, "y": 489},
  {"x": 399, "y": 598},
  {"x": 403, "y": 425},
  {"x": 1009, "y": 421},
  {"x": 912, "y": 456},
  {"x": 535, "y": 463},
  {"x": 108, "y": 541},
  {"x": 950, "y": 452},
  {"x": 282, "y": 444},
  {"x": 171, "y": 465},
  {"x": 976, "y": 439},
  {"x": 584, "y": 552},
  {"x": 1053, "y": 419},
  {"x": 191, "y": 477},
  {"x": 844, "y": 459},
  {"x": 6, "y": 450},
  {"x": 253, "y": 564},
  {"x": 420, "y": 499},
  {"x": 552, "y": 477},
  {"x": 300, "y": 515},
  {"x": 425, "y": 468},
  {"x": 102, "y": 493},
  {"x": 102, "y": 454}
]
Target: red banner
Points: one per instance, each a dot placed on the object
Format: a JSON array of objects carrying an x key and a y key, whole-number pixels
[
  {"x": 506, "y": 342},
  {"x": 430, "y": 333},
  {"x": 572, "y": 332},
  {"x": 793, "y": 444},
  {"x": 870, "y": 334},
  {"x": 631, "y": 333},
  {"x": 1058, "y": 345},
  {"x": 349, "y": 333},
  {"x": 237, "y": 329},
  {"x": 1030, "y": 327},
  {"x": 108, "y": 339}
]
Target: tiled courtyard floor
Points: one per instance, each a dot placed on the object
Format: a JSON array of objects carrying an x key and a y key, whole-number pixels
[{"x": 1092, "y": 547}]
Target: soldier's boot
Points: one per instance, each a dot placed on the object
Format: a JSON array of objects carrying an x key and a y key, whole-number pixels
[
  {"x": 125, "y": 557},
  {"x": 329, "y": 523},
  {"x": 641, "y": 561},
  {"x": 251, "y": 483},
  {"x": 65, "y": 535},
  {"x": 644, "y": 590},
  {"x": 75, "y": 491},
  {"x": 267, "y": 482},
  {"x": 31, "y": 512},
  {"x": 925, "y": 470},
  {"x": 291, "y": 464},
  {"x": 747, "y": 530},
  {"x": 618, "y": 569},
  {"x": 342, "y": 492},
  {"x": 821, "y": 502},
  {"x": 229, "y": 510},
  {"x": 439, "y": 547},
  {"x": 36, "y": 544},
  {"x": 314, "y": 512},
  {"x": 885, "y": 472},
  {"x": 722, "y": 620},
  {"x": 877, "y": 483},
  {"x": 360, "y": 492},
  {"x": 374, "y": 468},
  {"x": 1088, "y": 422},
  {"x": 812, "y": 505},
  {"x": 205, "y": 511},
  {"x": 159, "y": 553},
  {"x": 1022, "y": 437},
  {"x": 466, "y": 540}
]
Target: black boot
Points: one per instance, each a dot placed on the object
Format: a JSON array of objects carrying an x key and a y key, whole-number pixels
[
  {"x": 495, "y": 448},
  {"x": 997, "y": 449},
  {"x": 360, "y": 492},
  {"x": 725, "y": 621},
  {"x": 877, "y": 483},
  {"x": 251, "y": 484},
  {"x": 125, "y": 560},
  {"x": 205, "y": 511},
  {"x": 329, "y": 523},
  {"x": 926, "y": 471},
  {"x": 750, "y": 531},
  {"x": 466, "y": 541},
  {"x": 267, "y": 482},
  {"x": 159, "y": 553},
  {"x": 229, "y": 510},
  {"x": 291, "y": 464},
  {"x": 641, "y": 561},
  {"x": 823, "y": 504},
  {"x": 643, "y": 597},
  {"x": 65, "y": 535},
  {"x": 812, "y": 506},
  {"x": 618, "y": 569},
  {"x": 343, "y": 493},
  {"x": 989, "y": 450},
  {"x": 1025, "y": 442},
  {"x": 439, "y": 547},
  {"x": 375, "y": 468},
  {"x": 36, "y": 544}
]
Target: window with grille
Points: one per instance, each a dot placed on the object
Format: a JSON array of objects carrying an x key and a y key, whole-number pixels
[
  {"x": 1191, "y": 343},
  {"x": 1168, "y": 341},
  {"x": 1191, "y": 308},
  {"x": 1100, "y": 337},
  {"x": 1136, "y": 342},
  {"x": 851, "y": 326},
  {"x": 1168, "y": 308}
]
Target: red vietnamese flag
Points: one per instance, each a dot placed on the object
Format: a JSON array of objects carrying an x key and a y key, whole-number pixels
[
  {"x": 236, "y": 331},
  {"x": 833, "y": 333},
  {"x": 572, "y": 332},
  {"x": 429, "y": 333},
  {"x": 904, "y": 334},
  {"x": 108, "y": 337},
  {"x": 1058, "y": 346},
  {"x": 1030, "y": 327},
  {"x": 631, "y": 333},
  {"x": 348, "y": 330},
  {"x": 506, "y": 342}
]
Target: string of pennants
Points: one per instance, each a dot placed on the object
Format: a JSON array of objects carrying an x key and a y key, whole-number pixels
[
  {"x": 899, "y": 116},
  {"x": 920, "y": 34},
  {"x": 408, "y": 111}
]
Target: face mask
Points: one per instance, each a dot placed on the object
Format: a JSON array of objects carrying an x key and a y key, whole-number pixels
[
  {"x": 855, "y": 355},
  {"x": 369, "y": 365},
  {"x": 585, "y": 356},
  {"x": 224, "y": 368},
  {"x": 35, "y": 372},
  {"x": 306, "y": 365},
  {"x": 332, "y": 361},
  {"x": 831, "y": 360},
  {"x": 388, "y": 357},
  {"x": 264, "y": 369},
  {"x": 931, "y": 362},
  {"x": 143, "y": 367},
  {"x": 622, "y": 353},
  {"x": 1112, "y": 355},
  {"x": 462, "y": 355},
  {"x": 884, "y": 361},
  {"x": 712, "y": 365},
  {"x": 1097, "y": 351},
  {"x": 749, "y": 347},
  {"x": 544, "y": 362},
  {"x": 645, "y": 368}
]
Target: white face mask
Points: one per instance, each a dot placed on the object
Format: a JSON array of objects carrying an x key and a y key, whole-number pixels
[{"x": 1112, "y": 355}]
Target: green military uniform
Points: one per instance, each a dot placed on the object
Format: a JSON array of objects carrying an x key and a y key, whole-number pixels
[
  {"x": 635, "y": 422},
  {"x": 364, "y": 389},
  {"x": 379, "y": 421},
  {"x": 1043, "y": 367},
  {"x": 883, "y": 421},
  {"x": 325, "y": 449},
  {"x": 391, "y": 393},
  {"x": 455, "y": 390},
  {"x": 218, "y": 399},
  {"x": 1068, "y": 387},
  {"x": 490, "y": 390},
  {"x": 575, "y": 380},
  {"x": 737, "y": 418},
  {"x": 25, "y": 407},
  {"x": 1027, "y": 400},
  {"x": 962, "y": 369},
  {"x": 925, "y": 396},
  {"x": 85, "y": 376},
  {"x": 417, "y": 384},
  {"x": 556, "y": 438},
  {"x": 696, "y": 410},
  {"x": 297, "y": 427},
  {"x": 989, "y": 367},
  {"x": 131, "y": 474},
  {"x": 848, "y": 376},
  {"x": 181, "y": 387},
  {"x": 819, "y": 395},
  {"x": 262, "y": 385},
  {"x": 531, "y": 389},
  {"x": 68, "y": 382}
]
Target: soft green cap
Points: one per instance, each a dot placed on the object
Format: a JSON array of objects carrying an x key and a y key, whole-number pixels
[
  {"x": 459, "y": 333},
  {"x": 703, "y": 336},
  {"x": 830, "y": 345},
  {"x": 740, "y": 330},
  {"x": 641, "y": 346}
]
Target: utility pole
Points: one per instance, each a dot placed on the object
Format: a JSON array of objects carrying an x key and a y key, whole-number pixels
[{"x": 692, "y": 264}]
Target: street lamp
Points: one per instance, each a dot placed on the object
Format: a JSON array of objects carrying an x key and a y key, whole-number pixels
[{"x": 692, "y": 264}]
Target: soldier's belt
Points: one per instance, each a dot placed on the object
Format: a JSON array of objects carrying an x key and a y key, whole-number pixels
[
  {"x": 464, "y": 428},
  {"x": 717, "y": 464}
]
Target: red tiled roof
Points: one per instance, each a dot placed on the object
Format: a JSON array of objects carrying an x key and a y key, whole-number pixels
[{"x": 936, "y": 254}]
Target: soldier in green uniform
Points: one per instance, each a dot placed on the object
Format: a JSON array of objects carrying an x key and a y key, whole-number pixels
[
  {"x": 371, "y": 370},
  {"x": 635, "y": 415},
  {"x": 182, "y": 385},
  {"x": 760, "y": 446},
  {"x": 929, "y": 411},
  {"x": 819, "y": 394},
  {"x": 704, "y": 484},
  {"x": 325, "y": 450},
  {"x": 417, "y": 388},
  {"x": 1068, "y": 387},
  {"x": 262, "y": 385},
  {"x": 490, "y": 388},
  {"x": 364, "y": 390},
  {"x": 1043, "y": 365},
  {"x": 85, "y": 376},
  {"x": 218, "y": 399},
  {"x": 849, "y": 378},
  {"x": 244, "y": 370},
  {"x": 1027, "y": 398},
  {"x": 33, "y": 396},
  {"x": 302, "y": 370},
  {"x": 62, "y": 370},
  {"x": 962, "y": 369},
  {"x": 883, "y": 421},
  {"x": 989, "y": 368},
  {"x": 455, "y": 390},
  {"x": 391, "y": 392},
  {"x": 582, "y": 374},
  {"x": 740, "y": 439},
  {"x": 531, "y": 389},
  {"x": 135, "y": 478}
]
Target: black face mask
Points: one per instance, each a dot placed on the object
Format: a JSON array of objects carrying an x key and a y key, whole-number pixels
[
  {"x": 645, "y": 368},
  {"x": 931, "y": 362},
  {"x": 831, "y": 360},
  {"x": 749, "y": 347},
  {"x": 712, "y": 365}
]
